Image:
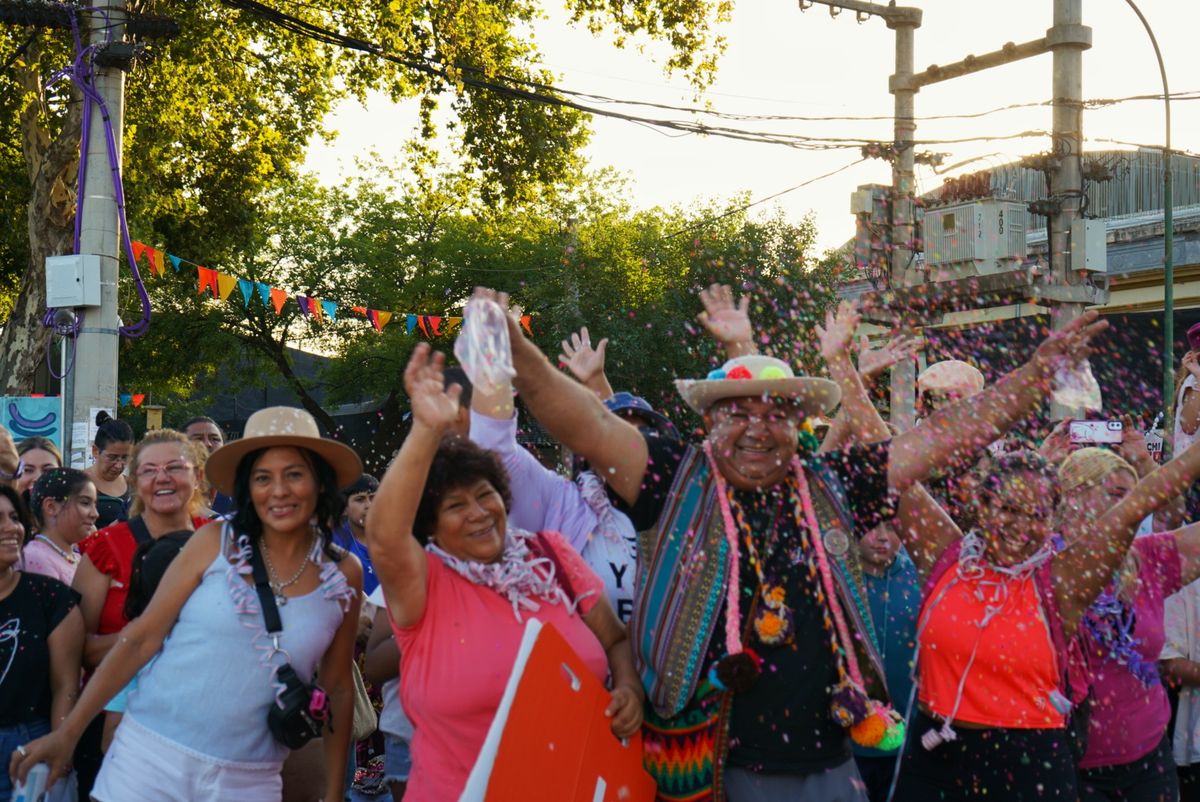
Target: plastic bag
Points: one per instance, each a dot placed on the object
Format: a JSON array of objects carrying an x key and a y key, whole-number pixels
[
  {"x": 1075, "y": 386},
  {"x": 483, "y": 348}
]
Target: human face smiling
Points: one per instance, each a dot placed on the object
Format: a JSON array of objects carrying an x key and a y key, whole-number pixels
[
  {"x": 753, "y": 440},
  {"x": 283, "y": 489},
  {"x": 1015, "y": 520},
  {"x": 73, "y": 518},
  {"x": 12, "y": 534},
  {"x": 166, "y": 478},
  {"x": 471, "y": 522},
  {"x": 37, "y": 462}
]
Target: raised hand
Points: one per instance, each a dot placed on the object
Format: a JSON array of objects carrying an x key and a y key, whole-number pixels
[
  {"x": 726, "y": 321},
  {"x": 838, "y": 332},
  {"x": 432, "y": 406},
  {"x": 1069, "y": 346},
  {"x": 873, "y": 361},
  {"x": 585, "y": 362},
  {"x": 1191, "y": 361}
]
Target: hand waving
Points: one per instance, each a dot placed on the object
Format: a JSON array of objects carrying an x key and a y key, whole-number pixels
[
  {"x": 1069, "y": 346},
  {"x": 838, "y": 332},
  {"x": 873, "y": 361},
  {"x": 432, "y": 406},
  {"x": 727, "y": 322},
  {"x": 584, "y": 361}
]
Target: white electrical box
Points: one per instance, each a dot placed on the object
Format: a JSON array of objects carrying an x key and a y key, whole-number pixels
[
  {"x": 1089, "y": 245},
  {"x": 975, "y": 238},
  {"x": 72, "y": 281}
]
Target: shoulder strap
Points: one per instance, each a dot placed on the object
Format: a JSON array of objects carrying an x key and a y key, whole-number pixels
[
  {"x": 266, "y": 597},
  {"x": 140, "y": 532}
]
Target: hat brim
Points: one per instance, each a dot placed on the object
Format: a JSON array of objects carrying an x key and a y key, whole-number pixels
[
  {"x": 221, "y": 467},
  {"x": 814, "y": 396}
]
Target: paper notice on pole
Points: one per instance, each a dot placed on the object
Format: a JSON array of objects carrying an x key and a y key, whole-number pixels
[
  {"x": 81, "y": 451},
  {"x": 89, "y": 435}
]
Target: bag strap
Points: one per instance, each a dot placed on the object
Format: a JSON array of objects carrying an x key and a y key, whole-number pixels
[
  {"x": 266, "y": 597},
  {"x": 141, "y": 533}
]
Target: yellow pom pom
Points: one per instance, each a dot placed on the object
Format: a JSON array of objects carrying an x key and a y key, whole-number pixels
[
  {"x": 772, "y": 372},
  {"x": 870, "y": 731}
]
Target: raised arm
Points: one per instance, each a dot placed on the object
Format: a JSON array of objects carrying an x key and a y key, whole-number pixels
[
  {"x": 1135, "y": 451},
  {"x": 872, "y": 362},
  {"x": 1083, "y": 569},
  {"x": 862, "y": 421},
  {"x": 954, "y": 433},
  {"x": 728, "y": 321},
  {"x": 398, "y": 558},
  {"x": 587, "y": 363},
  {"x": 925, "y": 528}
]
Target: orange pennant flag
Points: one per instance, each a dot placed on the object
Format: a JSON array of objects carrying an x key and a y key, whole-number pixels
[
  {"x": 421, "y": 323},
  {"x": 227, "y": 284},
  {"x": 384, "y": 318},
  {"x": 208, "y": 280},
  {"x": 156, "y": 261},
  {"x": 138, "y": 249},
  {"x": 525, "y": 324},
  {"x": 435, "y": 324},
  {"x": 278, "y": 299},
  {"x": 360, "y": 310},
  {"x": 315, "y": 309},
  {"x": 138, "y": 398}
]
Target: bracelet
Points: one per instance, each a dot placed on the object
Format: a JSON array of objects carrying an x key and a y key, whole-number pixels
[{"x": 12, "y": 477}]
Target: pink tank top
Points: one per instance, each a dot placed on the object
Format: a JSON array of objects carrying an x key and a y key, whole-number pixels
[{"x": 1015, "y": 669}]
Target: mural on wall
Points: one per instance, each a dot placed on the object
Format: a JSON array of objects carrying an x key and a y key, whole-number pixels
[{"x": 28, "y": 416}]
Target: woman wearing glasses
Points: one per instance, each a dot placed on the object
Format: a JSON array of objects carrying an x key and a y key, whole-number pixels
[{"x": 110, "y": 452}]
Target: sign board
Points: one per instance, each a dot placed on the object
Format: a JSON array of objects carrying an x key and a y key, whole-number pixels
[{"x": 29, "y": 416}]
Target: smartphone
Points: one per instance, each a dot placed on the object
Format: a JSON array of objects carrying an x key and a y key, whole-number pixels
[
  {"x": 34, "y": 787},
  {"x": 1106, "y": 432}
]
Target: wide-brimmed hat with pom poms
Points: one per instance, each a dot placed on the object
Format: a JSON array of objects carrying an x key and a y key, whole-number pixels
[{"x": 756, "y": 376}]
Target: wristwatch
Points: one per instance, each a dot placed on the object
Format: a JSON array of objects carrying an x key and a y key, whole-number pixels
[{"x": 12, "y": 477}]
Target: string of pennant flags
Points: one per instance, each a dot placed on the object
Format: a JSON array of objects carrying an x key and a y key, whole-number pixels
[{"x": 222, "y": 285}]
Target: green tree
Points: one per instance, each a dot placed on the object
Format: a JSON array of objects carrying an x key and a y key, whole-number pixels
[{"x": 223, "y": 113}]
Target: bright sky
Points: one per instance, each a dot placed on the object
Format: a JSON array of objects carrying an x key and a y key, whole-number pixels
[{"x": 781, "y": 61}]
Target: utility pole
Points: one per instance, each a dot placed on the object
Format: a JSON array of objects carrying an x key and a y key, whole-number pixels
[{"x": 92, "y": 384}]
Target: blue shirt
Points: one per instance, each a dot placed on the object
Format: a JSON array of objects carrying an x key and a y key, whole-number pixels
[
  {"x": 895, "y": 601},
  {"x": 342, "y": 536}
]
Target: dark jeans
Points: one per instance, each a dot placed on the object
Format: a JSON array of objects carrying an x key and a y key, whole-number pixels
[
  {"x": 1189, "y": 783},
  {"x": 1005, "y": 765},
  {"x": 877, "y": 773},
  {"x": 1150, "y": 779},
  {"x": 10, "y": 739}
]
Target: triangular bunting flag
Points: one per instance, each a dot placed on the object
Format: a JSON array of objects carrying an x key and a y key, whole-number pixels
[
  {"x": 410, "y": 323},
  {"x": 360, "y": 310},
  {"x": 226, "y": 284},
  {"x": 247, "y": 288},
  {"x": 435, "y": 324},
  {"x": 330, "y": 308},
  {"x": 208, "y": 280},
  {"x": 156, "y": 261},
  {"x": 525, "y": 324},
  {"x": 302, "y": 301},
  {"x": 373, "y": 316},
  {"x": 138, "y": 398},
  {"x": 175, "y": 261},
  {"x": 421, "y": 322},
  {"x": 125, "y": 398},
  {"x": 138, "y": 249},
  {"x": 315, "y": 308},
  {"x": 264, "y": 292},
  {"x": 452, "y": 323},
  {"x": 381, "y": 319},
  {"x": 278, "y": 299}
]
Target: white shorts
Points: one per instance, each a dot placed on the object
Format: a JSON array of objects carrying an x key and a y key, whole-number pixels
[{"x": 143, "y": 766}]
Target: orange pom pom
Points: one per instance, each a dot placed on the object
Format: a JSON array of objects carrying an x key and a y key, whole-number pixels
[{"x": 870, "y": 731}]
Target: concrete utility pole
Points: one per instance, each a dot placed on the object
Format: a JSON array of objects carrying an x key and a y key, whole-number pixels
[{"x": 93, "y": 383}]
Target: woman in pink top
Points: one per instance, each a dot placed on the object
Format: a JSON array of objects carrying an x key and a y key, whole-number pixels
[
  {"x": 1122, "y": 634},
  {"x": 63, "y": 502},
  {"x": 458, "y": 603}
]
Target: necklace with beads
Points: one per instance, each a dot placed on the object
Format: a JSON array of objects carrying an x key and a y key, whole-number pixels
[
  {"x": 278, "y": 587},
  {"x": 773, "y": 621},
  {"x": 71, "y": 556}
]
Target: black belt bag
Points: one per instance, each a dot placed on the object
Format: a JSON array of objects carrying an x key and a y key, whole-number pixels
[{"x": 300, "y": 711}]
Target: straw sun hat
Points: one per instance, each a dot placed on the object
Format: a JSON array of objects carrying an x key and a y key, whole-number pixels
[
  {"x": 281, "y": 426},
  {"x": 757, "y": 375}
]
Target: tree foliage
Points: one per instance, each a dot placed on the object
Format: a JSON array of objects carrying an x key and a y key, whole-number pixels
[{"x": 220, "y": 118}]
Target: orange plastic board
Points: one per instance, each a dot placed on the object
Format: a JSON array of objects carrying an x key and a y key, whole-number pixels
[{"x": 554, "y": 741}]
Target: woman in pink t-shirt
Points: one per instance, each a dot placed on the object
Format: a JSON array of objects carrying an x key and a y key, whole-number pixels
[
  {"x": 458, "y": 603},
  {"x": 1128, "y": 755}
]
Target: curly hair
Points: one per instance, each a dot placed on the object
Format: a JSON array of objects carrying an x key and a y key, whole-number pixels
[
  {"x": 457, "y": 463},
  {"x": 1002, "y": 468},
  {"x": 192, "y": 451},
  {"x": 330, "y": 502}
]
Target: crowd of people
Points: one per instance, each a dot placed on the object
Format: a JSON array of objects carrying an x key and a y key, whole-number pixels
[{"x": 799, "y": 601}]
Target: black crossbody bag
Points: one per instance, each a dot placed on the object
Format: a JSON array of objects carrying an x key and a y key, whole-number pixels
[{"x": 299, "y": 713}]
